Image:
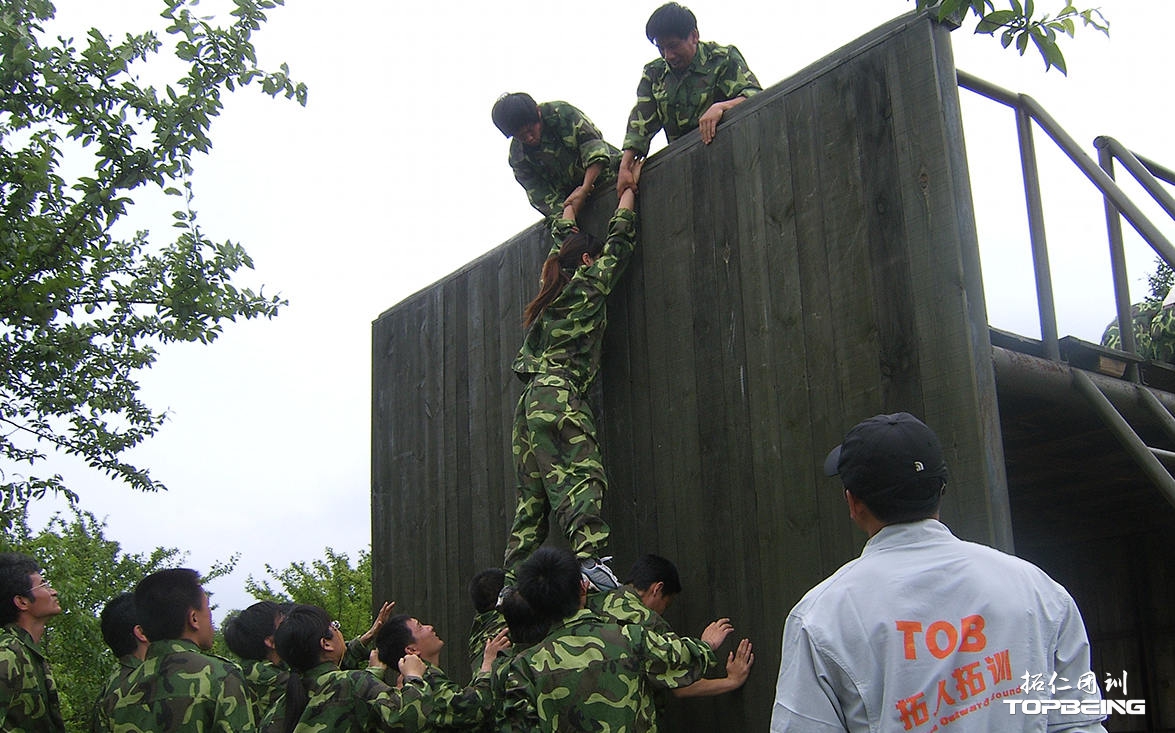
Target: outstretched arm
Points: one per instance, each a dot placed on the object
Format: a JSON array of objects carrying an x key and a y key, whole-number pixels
[
  {"x": 629, "y": 172},
  {"x": 738, "y": 667}
]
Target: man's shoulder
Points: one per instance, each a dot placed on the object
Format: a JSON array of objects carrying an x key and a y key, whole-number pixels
[
  {"x": 187, "y": 662},
  {"x": 559, "y": 108},
  {"x": 656, "y": 69}
]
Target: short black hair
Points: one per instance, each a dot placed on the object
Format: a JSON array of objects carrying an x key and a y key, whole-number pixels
[
  {"x": 245, "y": 631},
  {"x": 485, "y": 587},
  {"x": 393, "y": 638},
  {"x": 514, "y": 111},
  {"x": 650, "y": 569},
  {"x": 550, "y": 580},
  {"x": 163, "y": 600},
  {"x": 670, "y": 21},
  {"x": 16, "y": 571},
  {"x": 118, "y": 621}
]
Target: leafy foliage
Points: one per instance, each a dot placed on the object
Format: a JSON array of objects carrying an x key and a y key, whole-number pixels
[
  {"x": 81, "y": 309},
  {"x": 1019, "y": 25},
  {"x": 1159, "y": 282},
  {"x": 86, "y": 570},
  {"x": 330, "y": 582}
]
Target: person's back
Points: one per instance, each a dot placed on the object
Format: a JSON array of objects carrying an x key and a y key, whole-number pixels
[
  {"x": 924, "y": 629},
  {"x": 962, "y": 625},
  {"x": 353, "y": 699},
  {"x": 588, "y": 673},
  {"x": 179, "y": 688}
]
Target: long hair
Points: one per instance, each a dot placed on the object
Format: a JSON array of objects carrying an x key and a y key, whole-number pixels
[
  {"x": 298, "y": 643},
  {"x": 557, "y": 272}
]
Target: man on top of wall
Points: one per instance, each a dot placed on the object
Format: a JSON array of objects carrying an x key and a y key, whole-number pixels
[{"x": 690, "y": 87}]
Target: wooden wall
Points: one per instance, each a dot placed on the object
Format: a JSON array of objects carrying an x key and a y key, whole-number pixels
[{"x": 815, "y": 265}]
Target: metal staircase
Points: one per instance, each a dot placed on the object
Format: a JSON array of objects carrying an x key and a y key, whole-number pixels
[{"x": 1140, "y": 400}]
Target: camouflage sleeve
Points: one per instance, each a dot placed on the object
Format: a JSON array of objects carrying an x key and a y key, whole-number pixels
[
  {"x": 618, "y": 248},
  {"x": 645, "y": 119},
  {"x": 670, "y": 660},
  {"x": 234, "y": 710},
  {"x": 542, "y": 195},
  {"x": 514, "y": 695},
  {"x": 486, "y": 626},
  {"x": 8, "y": 683},
  {"x": 356, "y": 656},
  {"x": 588, "y": 139},
  {"x": 561, "y": 229},
  {"x": 407, "y": 708},
  {"x": 457, "y": 706},
  {"x": 735, "y": 79}
]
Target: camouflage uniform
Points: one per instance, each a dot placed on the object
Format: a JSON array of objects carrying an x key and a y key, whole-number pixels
[
  {"x": 590, "y": 675},
  {"x": 486, "y": 625},
  {"x": 28, "y": 695},
  {"x": 1154, "y": 331},
  {"x": 556, "y": 455},
  {"x": 570, "y": 144},
  {"x": 455, "y": 707},
  {"x": 266, "y": 682},
  {"x": 100, "y": 718},
  {"x": 180, "y": 688},
  {"x": 676, "y": 101},
  {"x": 624, "y": 606},
  {"x": 353, "y": 700}
]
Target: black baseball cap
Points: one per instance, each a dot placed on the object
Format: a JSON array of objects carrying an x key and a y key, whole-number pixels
[{"x": 894, "y": 461}]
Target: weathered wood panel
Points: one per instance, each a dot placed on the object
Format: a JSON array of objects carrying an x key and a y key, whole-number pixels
[{"x": 813, "y": 266}]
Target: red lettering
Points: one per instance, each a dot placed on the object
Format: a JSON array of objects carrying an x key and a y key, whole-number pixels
[
  {"x": 908, "y": 629},
  {"x": 941, "y": 652},
  {"x": 973, "y": 638}
]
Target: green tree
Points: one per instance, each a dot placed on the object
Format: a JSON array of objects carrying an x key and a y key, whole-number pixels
[
  {"x": 82, "y": 309},
  {"x": 1019, "y": 24},
  {"x": 86, "y": 570},
  {"x": 330, "y": 582}
]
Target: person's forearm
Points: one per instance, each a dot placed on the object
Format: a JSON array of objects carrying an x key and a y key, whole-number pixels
[
  {"x": 706, "y": 688},
  {"x": 591, "y": 174}
]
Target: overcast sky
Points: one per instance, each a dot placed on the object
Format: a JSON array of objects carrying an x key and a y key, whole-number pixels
[{"x": 394, "y": 176}]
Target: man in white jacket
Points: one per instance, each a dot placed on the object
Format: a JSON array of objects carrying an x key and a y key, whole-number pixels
[{"x": 925, "y": 632}]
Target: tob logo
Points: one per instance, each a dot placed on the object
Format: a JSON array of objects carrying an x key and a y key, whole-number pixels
[{"x": 942, "y": 638}]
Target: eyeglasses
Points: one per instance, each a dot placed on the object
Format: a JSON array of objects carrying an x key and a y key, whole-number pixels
[
  {"x": 43, "y": 584},
  {"x": 331, "y": 628}
]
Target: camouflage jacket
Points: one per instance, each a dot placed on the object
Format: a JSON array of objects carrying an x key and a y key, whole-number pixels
[
  {"x": 675, "y": 101},
  {"x": 486, "y": 625},
  {"x": 565, "y": 340},
  {"x": 100, "y": 717},
  {"x": 587, "y": 675},
  {"x": 266, "y": 682},
  {"x": 624, "y": 606},
  {"x": 180, "y": 688},
  {"x": 570, "y": 144},
  {"x": 354, "y": 700},
  {"x": 28, "y": 695},
  {"x": 1154, "y": 331}
]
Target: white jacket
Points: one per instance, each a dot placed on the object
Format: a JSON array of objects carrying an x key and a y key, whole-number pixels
[{"x": 925, "y": 632}]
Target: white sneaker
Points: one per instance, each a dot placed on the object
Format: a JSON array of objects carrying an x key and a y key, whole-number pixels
[{"x": 598, "y": 574}]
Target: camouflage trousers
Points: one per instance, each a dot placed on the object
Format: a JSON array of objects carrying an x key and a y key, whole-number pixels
[{"x": 559, "y": 468}]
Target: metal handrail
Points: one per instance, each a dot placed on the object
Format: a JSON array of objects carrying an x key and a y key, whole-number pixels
[{"x": 1028, "y": 110}]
